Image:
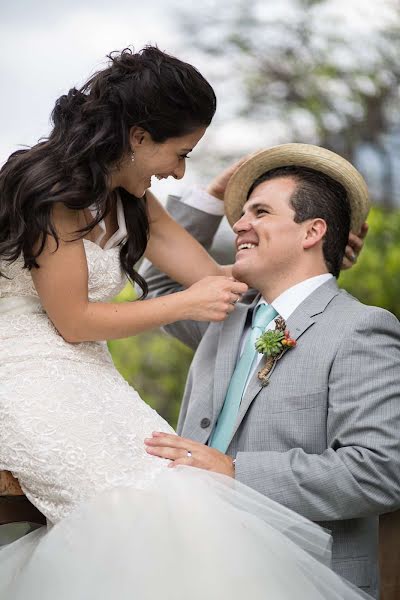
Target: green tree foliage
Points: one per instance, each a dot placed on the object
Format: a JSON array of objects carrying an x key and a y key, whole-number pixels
[
  {"x": 155, "y": 364},
  {"x": 305, "y": 63},
  {"x": 376, "y": 278},
  {"x": 301, "y": 71}
]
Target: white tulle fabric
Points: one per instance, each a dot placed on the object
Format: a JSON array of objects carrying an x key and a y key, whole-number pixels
[{"x": 121, "y": 524}]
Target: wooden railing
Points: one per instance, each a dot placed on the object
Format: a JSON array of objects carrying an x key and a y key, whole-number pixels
[
  {"x": 389, "y": 555},
  {"x": 9, "y": 486},
  {"x": 14, "y": 505}
]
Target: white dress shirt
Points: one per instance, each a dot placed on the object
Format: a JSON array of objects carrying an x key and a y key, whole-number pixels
[{"x": 197, "y": 197}]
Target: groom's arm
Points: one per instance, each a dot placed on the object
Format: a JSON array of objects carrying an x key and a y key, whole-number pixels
[
  {"x": 200, "y": 214},
  {"x": 359, "y": 473}
]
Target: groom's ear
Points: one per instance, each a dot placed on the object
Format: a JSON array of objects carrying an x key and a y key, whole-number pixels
[{"x": 314, "y": 232}]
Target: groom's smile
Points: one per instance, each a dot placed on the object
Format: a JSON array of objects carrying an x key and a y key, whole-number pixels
[{"x": 268, "y": 238}]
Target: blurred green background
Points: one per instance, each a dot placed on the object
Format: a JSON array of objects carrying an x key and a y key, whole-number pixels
[
  {"x": 316, "y": 71},
  {"x": 155, "y": 364}
]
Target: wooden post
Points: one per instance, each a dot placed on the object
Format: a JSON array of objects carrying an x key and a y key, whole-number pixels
[
  {"x": 9, "y": 486},
  {"x": 389, "y": 555},
  {"x": 14, "y": 506}
]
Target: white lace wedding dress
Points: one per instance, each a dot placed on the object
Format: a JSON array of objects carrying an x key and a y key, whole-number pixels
[{"x": 122, "y": 525}]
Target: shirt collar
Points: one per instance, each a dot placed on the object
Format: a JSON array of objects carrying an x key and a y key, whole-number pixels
[{"x": 287, "y": 302}]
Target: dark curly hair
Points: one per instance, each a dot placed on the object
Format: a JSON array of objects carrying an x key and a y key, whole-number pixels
[{"x": 163, "y": 95}]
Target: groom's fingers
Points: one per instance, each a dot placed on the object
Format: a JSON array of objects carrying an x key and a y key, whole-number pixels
[
  {"x": 183, "y": 451},
  {"x": 354, "y": 247},
  {"x": 166, "y": 452},
  {"x": 181, "y": 461},
  {"x": 171, "y": 446},
  {"x": 170, "y": 440}
]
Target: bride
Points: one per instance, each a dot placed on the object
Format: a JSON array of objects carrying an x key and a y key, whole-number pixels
[{"x": 75, "y": 216}]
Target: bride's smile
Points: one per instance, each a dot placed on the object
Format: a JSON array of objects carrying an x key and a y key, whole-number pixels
[{"x": 147, "y": 159}]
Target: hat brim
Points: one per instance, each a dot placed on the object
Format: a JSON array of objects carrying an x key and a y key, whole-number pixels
[{"x": 301, "y": 155}]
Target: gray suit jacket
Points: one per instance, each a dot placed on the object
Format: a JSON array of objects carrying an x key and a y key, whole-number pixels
[{"x": 323, "y": 438}]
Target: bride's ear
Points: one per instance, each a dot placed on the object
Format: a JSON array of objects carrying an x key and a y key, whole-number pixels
[{"x": 137, "y": 136}]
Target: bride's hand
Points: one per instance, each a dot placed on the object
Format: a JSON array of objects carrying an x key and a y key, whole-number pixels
[{"x": 212, "y": 298}]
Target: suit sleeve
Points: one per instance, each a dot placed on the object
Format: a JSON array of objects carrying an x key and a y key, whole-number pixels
[
  {"x": 202, "y": 226},
  {"x": 359, "y": 473}
]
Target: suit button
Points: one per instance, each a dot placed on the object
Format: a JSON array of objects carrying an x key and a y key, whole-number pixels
[{"x": 204, "y": 423}]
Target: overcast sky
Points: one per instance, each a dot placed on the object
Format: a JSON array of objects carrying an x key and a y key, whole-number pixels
[{"x": 47, "y": 47}]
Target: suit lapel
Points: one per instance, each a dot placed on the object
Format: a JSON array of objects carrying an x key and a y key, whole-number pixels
[
  {"x": 228, "y": 349},
  {"x": 298, "y": 323}
]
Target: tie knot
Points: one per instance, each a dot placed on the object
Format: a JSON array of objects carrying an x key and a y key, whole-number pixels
[{"x": 263, "y": 315}]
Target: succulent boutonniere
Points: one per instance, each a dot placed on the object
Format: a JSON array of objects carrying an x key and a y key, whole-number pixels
[{"x": 273, "y": 344}]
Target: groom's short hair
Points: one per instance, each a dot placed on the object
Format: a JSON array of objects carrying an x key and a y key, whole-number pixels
[{"x": 318, "y": 196}]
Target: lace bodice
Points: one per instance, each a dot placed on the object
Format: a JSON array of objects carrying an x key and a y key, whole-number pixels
[
  {"x": 70, "y": 425},
  {"x": 106, "y": 278}
]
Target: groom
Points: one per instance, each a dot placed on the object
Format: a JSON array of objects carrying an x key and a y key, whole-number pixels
[{"x": 319, "y": 432}]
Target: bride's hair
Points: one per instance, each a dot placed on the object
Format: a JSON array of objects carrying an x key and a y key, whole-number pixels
[{"x": 163, "y": 95}]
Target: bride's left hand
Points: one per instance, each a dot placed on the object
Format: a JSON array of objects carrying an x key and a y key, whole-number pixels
[{"x": 182, "y": 451}]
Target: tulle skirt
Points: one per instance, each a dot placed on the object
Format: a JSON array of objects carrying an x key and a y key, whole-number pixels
[{"x": 190, "y": 535}]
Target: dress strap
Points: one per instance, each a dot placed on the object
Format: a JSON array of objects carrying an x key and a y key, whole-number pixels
[{"x": 121, "y": 233}]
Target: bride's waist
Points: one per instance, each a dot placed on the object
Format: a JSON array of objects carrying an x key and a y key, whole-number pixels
[
  {"x": 20, "y": 305},
  {"x": 33, "y": 336},
  {"x": 41, "y": 351}
]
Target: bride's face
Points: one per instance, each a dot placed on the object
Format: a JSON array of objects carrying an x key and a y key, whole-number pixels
[{"x": 153, "y": 159}]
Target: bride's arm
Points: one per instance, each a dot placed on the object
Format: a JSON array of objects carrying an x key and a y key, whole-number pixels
[
  {"x": 62, "y": 284},
  {"x": 174, "y": 251}
]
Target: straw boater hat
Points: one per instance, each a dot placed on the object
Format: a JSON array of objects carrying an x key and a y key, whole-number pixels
[{"x": 300, "y": 155}]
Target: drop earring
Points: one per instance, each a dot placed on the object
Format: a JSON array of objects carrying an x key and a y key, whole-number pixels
[{"x": 132, "y": 156}]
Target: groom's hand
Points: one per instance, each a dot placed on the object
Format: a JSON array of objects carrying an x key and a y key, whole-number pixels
[
  {"x": 354, "y": 247},
  {"x": 182, "y": 451},
  {"x": 218, "y": 185}
]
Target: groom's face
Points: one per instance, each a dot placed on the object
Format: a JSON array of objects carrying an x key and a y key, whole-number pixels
[{"x": 268, "y": 241}]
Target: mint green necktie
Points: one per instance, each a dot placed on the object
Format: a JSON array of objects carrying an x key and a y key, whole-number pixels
[{"x": 222, "y": 433}]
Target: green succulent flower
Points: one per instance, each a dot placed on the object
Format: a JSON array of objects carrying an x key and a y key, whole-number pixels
[{"x": 270, "y": 343}]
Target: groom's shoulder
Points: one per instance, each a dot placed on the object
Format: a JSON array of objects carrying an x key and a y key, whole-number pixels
[{"x": 349, "y": 311}]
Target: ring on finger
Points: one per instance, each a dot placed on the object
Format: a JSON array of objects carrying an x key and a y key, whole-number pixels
[{"x": 188, "y": 454}]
